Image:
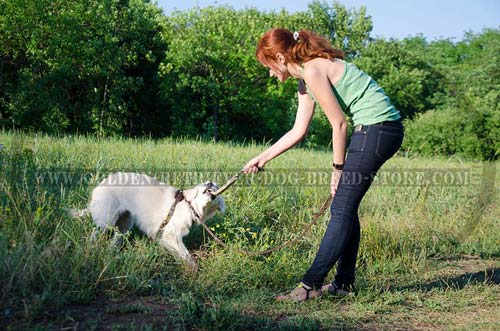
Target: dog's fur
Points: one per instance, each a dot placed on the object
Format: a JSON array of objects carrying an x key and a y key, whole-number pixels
[{"x": 123, "y": 200}]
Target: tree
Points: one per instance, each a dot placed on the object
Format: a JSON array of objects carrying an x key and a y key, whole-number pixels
[
  {"x": 410, "y": 82},
  {"x": 467, "y": 123},
  {"x": 346, "y": 29},
  {"x": 214, "y": 84},
  {"x": 81, "y": 65}
]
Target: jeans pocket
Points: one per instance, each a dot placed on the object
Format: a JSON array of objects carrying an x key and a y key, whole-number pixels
[
  {"x": 388, "y": 143},
  {"x": 358, "y": 142}
]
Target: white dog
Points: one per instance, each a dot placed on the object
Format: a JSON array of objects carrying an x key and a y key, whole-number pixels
[{"x": 163, "y": 213}]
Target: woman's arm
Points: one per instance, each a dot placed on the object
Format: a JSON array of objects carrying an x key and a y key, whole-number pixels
[
  {"x": 303, "y": 119},
  {"x": 319, "y": 84}
]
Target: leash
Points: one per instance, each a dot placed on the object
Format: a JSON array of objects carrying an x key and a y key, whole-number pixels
[
  {"x": 179, "y": 196},
  {"x": 316, "y": 216}
]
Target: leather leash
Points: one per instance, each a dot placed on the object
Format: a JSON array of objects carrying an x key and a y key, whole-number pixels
[
  {"x": 316, "y": 216},
  {"x": 179, "y": 196}
]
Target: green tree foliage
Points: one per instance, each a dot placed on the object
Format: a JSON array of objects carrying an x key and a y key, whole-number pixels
[
  {"x": 88, "y": 66},
  {"x": 407, "y": 78},
  {"x": 215, "y": 86},
  {"x": 348, "y": 30},
  {"x": 97, "y": 66},
  {"x": 122, "y": 67},
  {"x": 467, "y": 123}
]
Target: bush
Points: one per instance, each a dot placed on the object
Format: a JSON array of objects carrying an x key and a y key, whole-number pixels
[{"x": 472, "y": 132}]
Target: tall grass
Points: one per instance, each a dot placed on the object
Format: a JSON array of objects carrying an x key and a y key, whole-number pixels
[{"x": 48, "y": 258}]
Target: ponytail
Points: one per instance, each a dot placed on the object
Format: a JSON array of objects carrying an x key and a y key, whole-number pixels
[
  {"x": 298, "y": 47},
  {"x": 309, "y": 45}
]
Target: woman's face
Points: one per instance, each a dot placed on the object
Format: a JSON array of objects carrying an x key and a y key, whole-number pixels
[{"x": 278, "y": 69}]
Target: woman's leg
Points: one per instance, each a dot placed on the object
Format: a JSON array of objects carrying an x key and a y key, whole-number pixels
[
  {"x": 347, "y": 262},
  {"x": 353, "y": 184},
  {"x": 367, "y": 151}
]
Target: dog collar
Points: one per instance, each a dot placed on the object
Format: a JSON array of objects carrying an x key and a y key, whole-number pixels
[{"x": 179, "y": 196}]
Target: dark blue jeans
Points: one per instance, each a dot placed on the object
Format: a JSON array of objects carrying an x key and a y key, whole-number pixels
[{"x": 367, "y": 151}]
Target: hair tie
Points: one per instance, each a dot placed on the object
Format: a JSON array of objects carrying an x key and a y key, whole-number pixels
[{"x": 296, "y": 36}]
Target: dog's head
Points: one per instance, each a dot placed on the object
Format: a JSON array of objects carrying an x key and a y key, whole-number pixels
[{"x": 204, "y": 202}]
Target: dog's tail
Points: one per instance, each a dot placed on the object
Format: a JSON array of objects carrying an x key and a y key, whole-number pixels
[{"x": 77, "y": 213}]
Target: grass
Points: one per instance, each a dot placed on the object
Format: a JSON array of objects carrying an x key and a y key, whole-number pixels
[{"x": 429, "y": 255}]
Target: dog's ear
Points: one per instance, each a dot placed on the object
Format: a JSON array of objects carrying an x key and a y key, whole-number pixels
[{"x": 191, "y": 194}]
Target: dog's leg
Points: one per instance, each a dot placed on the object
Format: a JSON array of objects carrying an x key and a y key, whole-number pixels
[
  {"x": 100, "y": 233},
  {"x": 174, "y": 245},
  {"x": 169, "y": 242},
  {"x": 183, "y": 250},
  {"x": 191, "y": 264},
  {"x": 122, "y": 226}
]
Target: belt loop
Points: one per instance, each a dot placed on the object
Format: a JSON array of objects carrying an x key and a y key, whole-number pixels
[{"x": 358, "y": 127}]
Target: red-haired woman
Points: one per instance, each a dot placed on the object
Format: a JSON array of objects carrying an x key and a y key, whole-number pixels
[{"x": 337, "y": 86}]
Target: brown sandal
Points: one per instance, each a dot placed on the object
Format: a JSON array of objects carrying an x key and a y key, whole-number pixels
[
  {"x": 341, "y": 291},
  {"x": 301, "y": 293}
]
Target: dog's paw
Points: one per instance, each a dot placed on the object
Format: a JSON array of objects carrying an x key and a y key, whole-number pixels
[{"x": 191, "y": 267}]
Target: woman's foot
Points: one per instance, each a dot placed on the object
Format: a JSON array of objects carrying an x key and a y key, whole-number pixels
[
  {"x": 342, "y": 290},
  {"x": 301, "y": 293}
]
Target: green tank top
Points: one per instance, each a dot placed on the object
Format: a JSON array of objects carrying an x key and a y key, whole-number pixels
[{"x": 361, "y": 97}]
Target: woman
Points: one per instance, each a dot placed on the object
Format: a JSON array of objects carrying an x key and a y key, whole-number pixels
[{"x": 337, "y": 86}]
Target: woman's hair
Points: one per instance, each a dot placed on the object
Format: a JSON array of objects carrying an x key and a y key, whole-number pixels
[{"x": 298, "y": 47}]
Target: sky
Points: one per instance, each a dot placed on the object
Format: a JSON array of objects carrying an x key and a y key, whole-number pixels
[{"x": 434, "y": 19}]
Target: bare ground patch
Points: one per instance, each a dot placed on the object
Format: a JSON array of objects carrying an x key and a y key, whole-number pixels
[
  {"x": 461, "y": 294},
  {"x": 125, "y": 314},
  {"x": 457, "y": 294}
]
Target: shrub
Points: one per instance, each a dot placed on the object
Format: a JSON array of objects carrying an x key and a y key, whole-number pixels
[{"x": 469, "y": 132}]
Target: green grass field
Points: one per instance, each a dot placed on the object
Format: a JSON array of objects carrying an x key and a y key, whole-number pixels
[{"x": 429, "y": 257}]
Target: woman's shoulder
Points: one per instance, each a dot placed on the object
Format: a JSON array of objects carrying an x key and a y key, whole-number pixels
[
  {"x": 332, "y": 68},
  {"x": 317, "y": 62},
  {"x": 315, "y": 67}
]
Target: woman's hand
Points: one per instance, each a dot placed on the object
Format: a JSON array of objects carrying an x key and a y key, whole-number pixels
[
  {"x": 335, "y": 181},
  {"x": 254, "y": 165}
]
